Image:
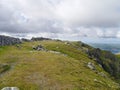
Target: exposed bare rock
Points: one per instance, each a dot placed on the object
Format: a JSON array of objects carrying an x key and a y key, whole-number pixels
[
  {"x": 6, "y": 40},
  {"x": 91, "y": 66},
  {"x": 38, "y": 48},
  {"x": 39, "y": 39},
  {"x": 25, "y": 40},
  {"x": 102, "y": 74}
]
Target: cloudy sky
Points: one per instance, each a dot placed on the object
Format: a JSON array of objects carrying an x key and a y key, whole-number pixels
[{"x": 64, "y": 19}]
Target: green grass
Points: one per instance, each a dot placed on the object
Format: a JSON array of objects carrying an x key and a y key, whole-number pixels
[
  {"x": 44, "y": 70},
  {"x": 4, "y": 68}
]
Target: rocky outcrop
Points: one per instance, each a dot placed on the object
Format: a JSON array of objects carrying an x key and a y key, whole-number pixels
[
  {"x": 6, "y": 40},
  {"x": 39, "y": 39},
  {"x": 25, "y": 40},
  {"x": 108, "y": 61}
]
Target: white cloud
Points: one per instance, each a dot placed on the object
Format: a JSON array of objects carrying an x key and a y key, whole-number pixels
[
  {"x": 60, "y": 18},
  {"x": 89, "y": 12}
]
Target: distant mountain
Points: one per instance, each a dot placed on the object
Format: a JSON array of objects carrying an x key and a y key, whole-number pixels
[{"x": 114, "y": 48}]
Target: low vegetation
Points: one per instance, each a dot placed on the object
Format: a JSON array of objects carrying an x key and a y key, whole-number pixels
[{"x": 61, "y": 65}]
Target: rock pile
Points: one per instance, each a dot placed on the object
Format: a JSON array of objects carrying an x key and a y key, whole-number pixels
[
  {"x": 39, "y": 48},
  {"x": 6, "y": 40}
]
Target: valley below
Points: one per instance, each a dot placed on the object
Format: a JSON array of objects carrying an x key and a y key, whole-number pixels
[{"x": 114, "y": 48}]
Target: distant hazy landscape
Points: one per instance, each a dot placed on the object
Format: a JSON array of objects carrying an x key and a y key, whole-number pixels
[
  {"x": 109, "y": 44},
  {"x": 114, "y": 48}
]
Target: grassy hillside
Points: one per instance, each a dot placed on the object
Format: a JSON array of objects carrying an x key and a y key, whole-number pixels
[{"x": 61, "y": 66}]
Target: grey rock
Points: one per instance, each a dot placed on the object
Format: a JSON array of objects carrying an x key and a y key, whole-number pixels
[
  {"x": 100, "y": 65},
  {"x": 91, "y": 66},
  {"x": 39, "y": 48},
  {"x": 6, "y": 40},
  {"x": 55, "y": 52},
  {"x": 39, "y": 39},
  {"x": 25, "y": 40},
  {"x": 57, "y": 47},
  {"x": 10, "y": 88},
  {"x": 67, "y": 43},
  {"x": 102, "y": 74}
]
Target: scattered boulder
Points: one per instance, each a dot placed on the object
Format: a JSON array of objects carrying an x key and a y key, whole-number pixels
[
  {"x": 84, "y": 49},
  {"x": 95, "y": 80},
  {"x": 57, "y": 47},
  {"x": 98, "y": 81},
  {"x": 55, "y": 52},
  {"x": 91, "y": 66},
  {"x": 10, "y": 88},
  {"x": 100, "y": 65},
  {"x": 39, "y": 48},
  {"x": 67, "y": 43},
  {"x": 102, "y": 74}
]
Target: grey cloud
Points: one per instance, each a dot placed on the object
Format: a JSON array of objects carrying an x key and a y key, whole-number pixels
[
  {"x": 58, "y": 18},
  {"x": 90, "y": 12}
]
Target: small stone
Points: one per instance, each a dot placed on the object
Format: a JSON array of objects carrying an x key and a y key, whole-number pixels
[
  {"x": 100, "y": 65},
  {"x": 57, "y": 47},
  {"x": 67, "y": 43},
  {"x": 102, "y": 74},
  {"x": 91, "y": 66},
  {"x": 95, "y": 80}
]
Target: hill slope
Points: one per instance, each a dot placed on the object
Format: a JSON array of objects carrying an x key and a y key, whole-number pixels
[{"x": 58, "y": 66}]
